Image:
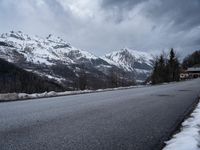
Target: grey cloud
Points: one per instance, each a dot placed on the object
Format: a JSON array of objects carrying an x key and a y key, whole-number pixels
[
  {"x": 183, "y": 14},
  {"x": 117, "y": 9},
  {"x": 120, "y": 4},
  {"x": 156, "y": 24}
]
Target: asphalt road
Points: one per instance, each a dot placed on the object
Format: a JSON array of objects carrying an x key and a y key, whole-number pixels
[{"x": 132, "y": 119}]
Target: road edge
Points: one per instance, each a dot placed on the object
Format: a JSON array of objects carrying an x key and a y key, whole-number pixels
[{"x": 177, "y": 126}]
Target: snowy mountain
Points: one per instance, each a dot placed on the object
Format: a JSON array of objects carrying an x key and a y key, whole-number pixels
[
  {"x": 42, "y": 50},
  {"x": 139, "y": 63},
  {"x": 55, "y": 59}
]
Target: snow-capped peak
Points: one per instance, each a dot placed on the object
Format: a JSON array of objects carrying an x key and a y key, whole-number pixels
[
  {"x": 18, "y": 35},
  {"x": 39, "y": 50},
  {"x": 128, "y": 59},
  {"x": 54, "y": 39}
]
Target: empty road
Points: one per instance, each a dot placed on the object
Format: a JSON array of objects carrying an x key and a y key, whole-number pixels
[{"x": 132, "y": 119}]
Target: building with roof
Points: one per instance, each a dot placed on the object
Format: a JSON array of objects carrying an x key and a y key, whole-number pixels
[{"x": 192, "y": 72}]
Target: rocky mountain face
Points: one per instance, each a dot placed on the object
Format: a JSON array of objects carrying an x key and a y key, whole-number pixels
[
  {"x": 138, "y": 63},
  {"x": 55, "y": 59}
]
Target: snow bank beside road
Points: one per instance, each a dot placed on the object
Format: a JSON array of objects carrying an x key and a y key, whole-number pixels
[
  {"x": 189, "y": 136},
  {"x": 22, "y": 96}
]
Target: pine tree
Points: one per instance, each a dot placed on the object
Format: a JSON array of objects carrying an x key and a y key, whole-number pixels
[
  {"x": 114, "y": 78},
  {"x": 191, "y": 60},
  {"x": 161, "y": 69},
  {"x": 176, "y": 70},
  {"x": 154, "y": 76},
  {"x": 82, "y": 80},
  {"x": 166, "y": 70},
  {"x": 173, "y": 66}
]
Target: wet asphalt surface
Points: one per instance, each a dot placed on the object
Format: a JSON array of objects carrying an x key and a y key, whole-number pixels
[{"x": 131, "y": 119}]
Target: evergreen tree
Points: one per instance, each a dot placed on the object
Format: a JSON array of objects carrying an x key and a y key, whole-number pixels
[
  {"x": 176, "y": 70},
  {"x": 82, "y": 80},
  {"x": 114, "y": 78},
  {"x": 173, "y": 66},
  {"x": 166, "y": 70},
  {"x": 161, "y": 69},
  {"x": 191, "y": 60},
  {"x": 154, "y": 76}
]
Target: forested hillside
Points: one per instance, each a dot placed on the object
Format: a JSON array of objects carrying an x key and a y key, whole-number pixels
[{"x": 15, "y": 79}]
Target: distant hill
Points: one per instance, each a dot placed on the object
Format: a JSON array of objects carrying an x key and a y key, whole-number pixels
[{"x": 15, "y": 79}]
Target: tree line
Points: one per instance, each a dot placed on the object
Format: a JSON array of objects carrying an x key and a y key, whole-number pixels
[
  {"x": 114, "y": 79},
  {"x": 166, "y": 68},
  {"x": 191, "y": 60}
]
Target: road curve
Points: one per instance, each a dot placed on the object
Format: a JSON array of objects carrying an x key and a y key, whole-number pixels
[{"x": 132, "y": 119}]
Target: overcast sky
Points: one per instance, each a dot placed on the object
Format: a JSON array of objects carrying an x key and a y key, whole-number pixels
[{"x": 101, "y": 26}]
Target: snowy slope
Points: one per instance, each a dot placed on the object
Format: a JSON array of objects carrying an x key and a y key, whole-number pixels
[
  {"x": 42, "y": 50},
  {"x": 52, "y": 58},
  {"x": 55, "y": 59},
  {"x": 131, "y": 61},
  {"x": 128, "y": 59}
]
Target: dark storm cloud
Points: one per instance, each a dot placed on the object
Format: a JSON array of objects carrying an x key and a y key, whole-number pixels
[
  {"x": 120, "y": 4},
  {"x": 184, "y": 17},
  {"x": 101, "y": 26},
  {"x": 182, "y": 14},
  {"x": 174, "y": 23},
  {"x": 117, "y": 8}
]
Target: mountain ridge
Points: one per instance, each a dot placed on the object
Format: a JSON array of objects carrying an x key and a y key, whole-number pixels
[{"x": 56, "y": 59}]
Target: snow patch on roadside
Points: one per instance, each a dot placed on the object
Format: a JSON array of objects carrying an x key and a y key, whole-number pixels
[
  {"x": 22, "y": 96},
  {"x": 189, "y": 136}
]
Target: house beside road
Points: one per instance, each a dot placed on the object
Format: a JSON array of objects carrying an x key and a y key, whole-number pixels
[{"x": 190, "y": 73}]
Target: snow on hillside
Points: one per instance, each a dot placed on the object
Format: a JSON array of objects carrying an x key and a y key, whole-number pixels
[
  {"x": 42, "y": 54},
  {"x": 39, "y": 50},
  {"x": 130, "y": 60}
]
